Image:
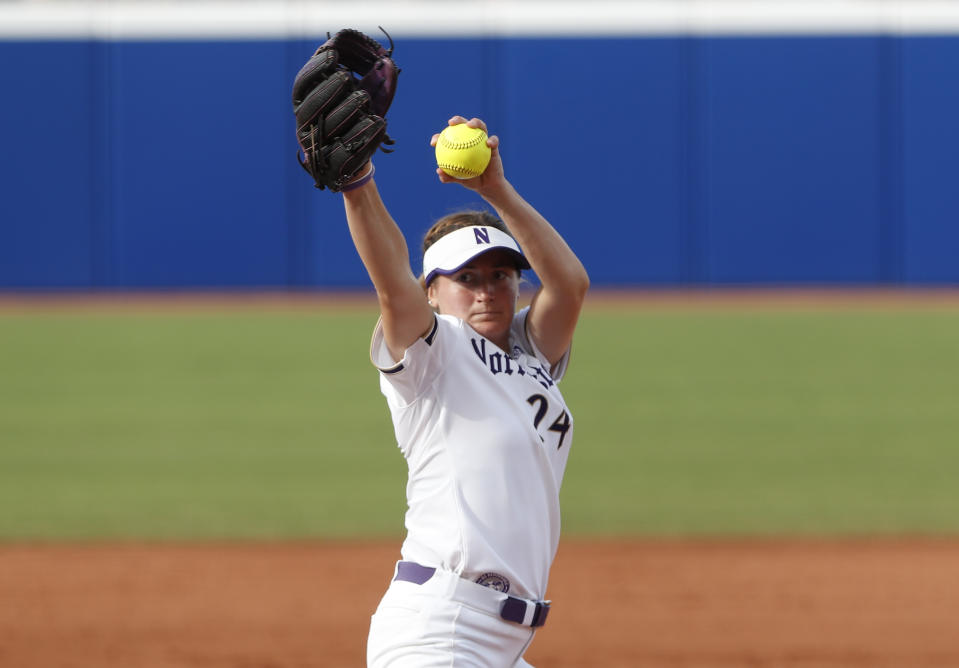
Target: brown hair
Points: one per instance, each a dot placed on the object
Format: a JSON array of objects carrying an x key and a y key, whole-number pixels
[{"x": 459, "y": 220}]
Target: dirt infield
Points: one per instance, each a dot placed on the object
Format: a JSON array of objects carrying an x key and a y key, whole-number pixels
[{"x": 616, "y": 604}]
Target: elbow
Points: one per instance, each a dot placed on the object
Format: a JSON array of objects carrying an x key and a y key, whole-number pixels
[
  {"x": 569, "y": 283},
  {"x": 574, "y": 288},
  {"x": 580, "y": 284}
]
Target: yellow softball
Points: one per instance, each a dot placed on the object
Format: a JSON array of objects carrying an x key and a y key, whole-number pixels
[{"x": 461, "y": 151}]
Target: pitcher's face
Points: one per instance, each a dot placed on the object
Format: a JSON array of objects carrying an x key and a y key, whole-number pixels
[{"x": 483, "y": 294}]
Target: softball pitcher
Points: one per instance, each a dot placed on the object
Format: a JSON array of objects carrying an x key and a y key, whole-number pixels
[
  {"x": 472, "y": 388},
  {"x": 471, "y": 383}
]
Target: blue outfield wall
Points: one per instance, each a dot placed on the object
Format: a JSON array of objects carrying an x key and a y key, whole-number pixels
[{"x": 665, "y": 161}]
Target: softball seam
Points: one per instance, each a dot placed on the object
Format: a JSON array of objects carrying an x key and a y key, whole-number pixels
[
  {"x": 463, "y": 144},
  {"x": 448, "y": 168}
]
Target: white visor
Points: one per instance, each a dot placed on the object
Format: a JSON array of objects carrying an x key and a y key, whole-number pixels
[{"x": 455, "y": 250}]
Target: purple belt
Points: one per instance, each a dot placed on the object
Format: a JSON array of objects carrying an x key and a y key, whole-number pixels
[{"x": 513, "y": 609}]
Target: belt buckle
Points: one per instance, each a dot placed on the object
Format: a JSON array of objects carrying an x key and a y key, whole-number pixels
[
  {"x": 539, "y": 617},
  {"x": 516, "y": 610}
]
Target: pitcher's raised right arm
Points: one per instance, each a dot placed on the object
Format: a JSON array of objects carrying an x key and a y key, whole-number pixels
[{"x": 383, "y": 250}]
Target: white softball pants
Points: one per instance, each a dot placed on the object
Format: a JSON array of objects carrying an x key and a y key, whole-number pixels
[{"x": 446, "y": 622}]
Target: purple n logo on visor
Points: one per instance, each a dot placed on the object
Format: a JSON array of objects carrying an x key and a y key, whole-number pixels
[{"x": 455, "y": 250}]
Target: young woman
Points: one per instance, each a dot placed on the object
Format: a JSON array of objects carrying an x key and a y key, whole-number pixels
[{"x": 471, "y": 387}]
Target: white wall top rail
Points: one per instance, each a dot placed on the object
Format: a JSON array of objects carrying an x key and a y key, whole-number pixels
[{"x": 252, "y": 19}]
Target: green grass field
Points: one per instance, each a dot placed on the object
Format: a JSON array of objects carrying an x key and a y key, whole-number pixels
[{"x": 270, "y": 424}]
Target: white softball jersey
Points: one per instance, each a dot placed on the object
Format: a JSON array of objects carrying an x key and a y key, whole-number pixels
[{"x": 486, "y": 435}]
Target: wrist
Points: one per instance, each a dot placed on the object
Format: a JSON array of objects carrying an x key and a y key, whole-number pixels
[
  {"x": 360, "y": 181},
  {"x": 500, "y": 193}
]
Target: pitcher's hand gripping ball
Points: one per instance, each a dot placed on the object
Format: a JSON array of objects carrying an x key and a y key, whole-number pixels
[
  {"x": 461, "y": 151},
  {"x": 340, "y": 99}
]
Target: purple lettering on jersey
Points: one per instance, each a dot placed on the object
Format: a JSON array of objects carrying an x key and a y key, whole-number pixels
[
  {"x": 480, "y": 350},
  {"x": 500, "y": 362},
  {"x": 481, "y": 234},
  {"x": 541, "y": 376}
]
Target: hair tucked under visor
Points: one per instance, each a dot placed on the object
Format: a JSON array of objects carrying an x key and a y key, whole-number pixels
[
  {"x": 459, "y": 220},
  {"x": 455, "y": 240}
]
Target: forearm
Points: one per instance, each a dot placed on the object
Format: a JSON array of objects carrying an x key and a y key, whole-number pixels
[
  {"x": 378, "y": 240},
  {"x": 554, "y": 262},
  {"x": 382, "y": 248}
]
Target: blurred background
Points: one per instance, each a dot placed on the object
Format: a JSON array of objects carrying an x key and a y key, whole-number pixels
[
  {"x": 764, "y": 192},
  {"x": 683, "y": 148},
  {"x": 688, "y": 143}
]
